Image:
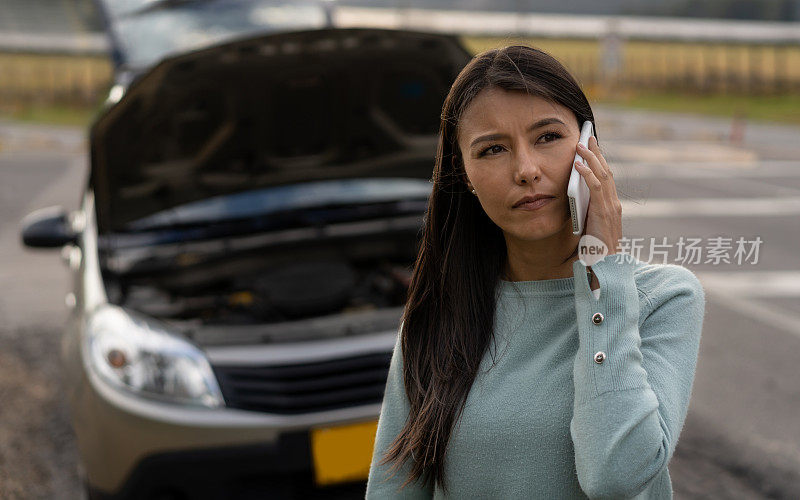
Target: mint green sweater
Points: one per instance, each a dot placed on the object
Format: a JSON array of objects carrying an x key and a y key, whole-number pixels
[{"x": 569, "y": 408}]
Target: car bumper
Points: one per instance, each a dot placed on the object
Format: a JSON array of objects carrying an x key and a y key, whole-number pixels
[
  {"x": 277, "y": 470},
  {"x": 133, "y": 447}
]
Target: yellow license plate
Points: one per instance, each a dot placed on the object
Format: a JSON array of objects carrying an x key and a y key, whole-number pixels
[{"x": 342, "y": 453}]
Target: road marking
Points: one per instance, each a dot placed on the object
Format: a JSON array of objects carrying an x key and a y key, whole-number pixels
[
  {"x": 704, "y": 169},
  {"x": 753, "y": 283},
  {"x": 738, "y": 290},
  {"x": 715, "y": 207},
  {"x": 672, "y": 151}
]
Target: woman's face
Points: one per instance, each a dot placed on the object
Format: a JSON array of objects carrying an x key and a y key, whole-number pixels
[{"x": 514, "y": 144}]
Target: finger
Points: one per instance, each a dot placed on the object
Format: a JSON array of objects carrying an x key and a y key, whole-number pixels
[
  {"x": 604, "y": 192},
  {"x": 599, "y": 173},
  {"x": 594, "y": 147},
  {"x": 592, "y": 181},
  {"x": 594, "y": 162}
]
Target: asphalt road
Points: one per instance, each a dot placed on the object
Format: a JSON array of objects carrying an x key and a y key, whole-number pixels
[{"x": 678, "y": 177}]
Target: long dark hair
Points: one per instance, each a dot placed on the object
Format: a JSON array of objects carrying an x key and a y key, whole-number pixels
[{"x": 448, "y": 320}]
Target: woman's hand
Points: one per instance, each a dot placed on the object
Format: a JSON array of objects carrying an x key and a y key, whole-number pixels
[{"x": 604, "y": 215}]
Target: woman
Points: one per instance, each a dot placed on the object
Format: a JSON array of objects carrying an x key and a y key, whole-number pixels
[{"x": 515, "y": 374}]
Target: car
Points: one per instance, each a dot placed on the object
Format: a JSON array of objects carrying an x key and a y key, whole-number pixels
[{"x": 242, "y": 250}]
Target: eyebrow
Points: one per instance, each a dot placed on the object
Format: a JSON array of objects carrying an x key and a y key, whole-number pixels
[{"x": 540, "y": 123}]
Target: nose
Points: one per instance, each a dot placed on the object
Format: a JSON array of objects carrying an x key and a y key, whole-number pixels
[{"x": 526, "y": 166}]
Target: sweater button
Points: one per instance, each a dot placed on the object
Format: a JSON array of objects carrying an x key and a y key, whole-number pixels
[
  {"x": 597, "y": 318},
  {"x": 599, "y": 357}
]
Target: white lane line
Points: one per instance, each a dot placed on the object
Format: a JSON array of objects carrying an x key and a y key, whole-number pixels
[
  {"x": 704, "y": 169},
  {"x": 739, "y": 291},
  {"x": 715, "y": 207},
  {"x": 753, "y": 283},
  {"x": 670, "y": 151}
]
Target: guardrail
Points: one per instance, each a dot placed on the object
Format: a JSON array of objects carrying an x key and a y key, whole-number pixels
[
  {"x": 80, "y": 44},
  {"x": 533, "y": 25},
  {"x": 608, "y": 54}
]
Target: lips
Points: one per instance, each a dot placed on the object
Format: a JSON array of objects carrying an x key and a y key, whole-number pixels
[
  {"x": 529, "y": 199},
  {"x": 535, "y": 205}
]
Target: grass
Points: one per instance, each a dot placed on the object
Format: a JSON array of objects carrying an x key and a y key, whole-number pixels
[
  {"x": 776, "y": 109},
  {"x": 50, "y": 114},
  {"x": 643, "y": 60},
  {"x": 38, "y": 87},
  {"x": 53, "y": 75}
]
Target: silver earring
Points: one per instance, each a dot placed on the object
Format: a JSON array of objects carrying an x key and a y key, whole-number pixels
[{"x": 473, "y": 191}]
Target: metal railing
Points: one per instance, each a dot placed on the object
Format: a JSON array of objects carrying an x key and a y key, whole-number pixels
[{"x": 607, "y": 54}]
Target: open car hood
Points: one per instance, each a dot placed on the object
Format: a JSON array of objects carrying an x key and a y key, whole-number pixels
[{"x": 276, "y": 109}]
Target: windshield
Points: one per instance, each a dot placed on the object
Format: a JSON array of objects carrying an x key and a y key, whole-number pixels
[
  {"x": 146, "y": 31},
  {"x": 318, "y": 194},
  {"x": 311, "y": 204}
]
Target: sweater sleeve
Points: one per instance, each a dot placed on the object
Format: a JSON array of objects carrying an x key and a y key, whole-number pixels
[
  {"x": 632, "y": 382},
  {"x": 394, "y": 411}
]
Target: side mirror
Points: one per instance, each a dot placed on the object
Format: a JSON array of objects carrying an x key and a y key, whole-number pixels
[{"x": 47, "y": 228}]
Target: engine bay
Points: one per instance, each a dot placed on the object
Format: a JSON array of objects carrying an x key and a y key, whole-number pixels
[{"x": 237, "y": 282}]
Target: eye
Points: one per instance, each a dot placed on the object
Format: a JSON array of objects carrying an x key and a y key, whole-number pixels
[
  {"x": 555, "y": 136},
  {"x": 493, "y": 149}
]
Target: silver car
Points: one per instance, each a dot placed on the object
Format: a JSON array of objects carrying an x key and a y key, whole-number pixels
[{"x": 243, "y": 247}]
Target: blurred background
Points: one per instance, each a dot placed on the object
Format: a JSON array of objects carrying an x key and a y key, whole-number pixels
[
  {"x": 677, "y": 55},
  {"x": 697, "y": 106}
]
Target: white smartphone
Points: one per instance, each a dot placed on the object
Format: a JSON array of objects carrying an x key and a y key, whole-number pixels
[{"x": 577, "y": 190}]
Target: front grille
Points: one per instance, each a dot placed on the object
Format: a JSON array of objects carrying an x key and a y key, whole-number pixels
[{"x": 308, "y": 387}]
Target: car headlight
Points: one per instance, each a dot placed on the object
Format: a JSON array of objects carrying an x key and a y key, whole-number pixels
[{"x": 140, "y": 355}]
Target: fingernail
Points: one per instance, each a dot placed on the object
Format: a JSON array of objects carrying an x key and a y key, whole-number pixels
[{"x": 581, "y": 146}]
